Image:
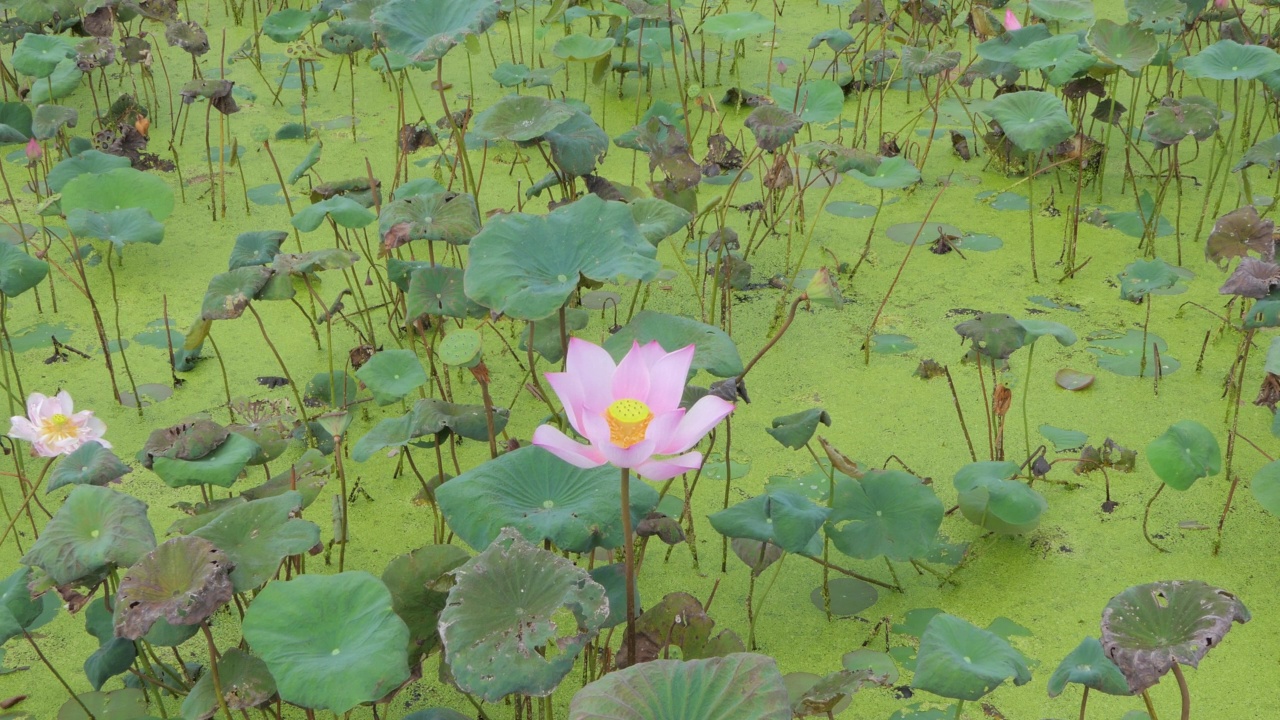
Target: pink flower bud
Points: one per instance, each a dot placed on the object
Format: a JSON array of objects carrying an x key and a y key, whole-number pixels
[
  {"x": 782, "y": 68},
  {"x": 1011, "y": 21},
  {"x": 34, "y": 151},
  {"x": 1221, "y": 4}
]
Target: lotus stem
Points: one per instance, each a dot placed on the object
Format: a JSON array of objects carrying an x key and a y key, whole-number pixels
[
  {"x": 302, "y": 408},
  {"x": 629, "y": 558},
  {"x": 213, "y": 671},
  {"x": 1084, "y": 701},
  {"x": 342, "y": 483},
  {"x": 755, "y": 611},
  {"x": 57, "y": 675},
  {"x": 1182, "y": 688},
  {"x": 791, "y": 315},
  {"x": 1147, "y": 514},
  {"x": 959, "y": 709},
  {"x": 115, "y": 300},
  {"x": 1151, "y": 708},
  {"x": 1231, "y": 441}
]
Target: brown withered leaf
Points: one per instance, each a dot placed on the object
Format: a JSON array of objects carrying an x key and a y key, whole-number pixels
[
  {"x": 839, "y": 460},
  {"x": 1239, "y": 232},
  {"x": 780, "y": 175},
  {"x": 1252, "y": 279},
  {"x": 1001, "y": 399},
  {"x": 1269, "y": 392}
]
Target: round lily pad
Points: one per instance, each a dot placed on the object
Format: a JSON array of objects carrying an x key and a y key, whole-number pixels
[
  {"x": 1069, "y": 379},
  {"x": 842, "y": 208},
  {"x": 460, "y": 348},
  {"x": 330, "y": 641},
  {"x": 184, "y": 581},
  {"x": 849, "y": 596},
  {"x": 1034, "y": 120}
]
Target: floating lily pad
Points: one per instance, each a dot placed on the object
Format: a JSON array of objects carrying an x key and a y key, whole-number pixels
[
  {"x": 849, "y": 596},
  {"x": 1147, "y": 628},
  {"x": 847, "y": 209},
  {"x": 1123, "y": 355},
  {"x": 330, "y": 641},
  {"x": 544, "y": 498},
  {"x": 507, "y": 603},
  {"x": 1069, "y": 379},
  {"x": 891, "y": 344},
  {"x": 1063, "y": 440}
]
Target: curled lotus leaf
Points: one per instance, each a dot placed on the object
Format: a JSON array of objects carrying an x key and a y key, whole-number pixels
[
  {"x": 506, "y": 604},
  {"x": 187, "y": 35},
  {"x": 520, "y": 118},
  {"x": 994, "y": 335},
  {"x": 1174, "y": 120},
  {"x": 451, "y": 217},
  {"x": 678, "y": 620},
  {"x": 773, "y": 126},
  {"x": 90, "y": 464},
  {"x": 184, "y": 441},
  {"x": 741, "y": 686},
  {"x": 246, "y": 683},
  {"x": 1252, "y": 279},
  {"x": 1239, "y": 232},
  {"x": 1088, "y": 665},
  {"x": 959, "y": 661},
  {"x": 184, "y": 581},
  {"x": 229, "y": 293},
  {"x": 426, "y": 30},
  {"x": 1148, "y": 628}
]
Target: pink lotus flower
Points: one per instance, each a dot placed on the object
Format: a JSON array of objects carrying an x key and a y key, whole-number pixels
[
  {"x": 33, "y": 150},
  {"x": 630, "y": 412},
  {"x": 53, "y": 428},
  {"x": 1221, "y": 4},
  {"x": 1011, "y": 21}
]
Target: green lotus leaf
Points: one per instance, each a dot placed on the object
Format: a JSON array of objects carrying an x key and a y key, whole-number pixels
[
  {"x": 95, "y": 529},
  {"x": 1229, "y": 60},
  {"x": 1124, "y": 355},
  {"x": 1037, "y": 329},
  {"x": 1034, "y": 120},
  {"x": 306, "y": 476},
  {"x": 116, "y": 190},
  {"x": 37, "y": 55},
  {"x": 15, "y": 123},
  {"x": 308, "y": 162},
  {"x": 184, "y": 580},
  {"x": 1265, "y": 153},
  {"x": 18, "y": 610},
  {"x": 520, "y": 118},
  {"x": 330, "y": 641},
  {"x": 741, "y": 686},
  {"x": 229, "y": 293},
  {"x": 89, "y": 464},
  {"x": 1057, "y": 51},
  {"x": 1186, "y": 452},
  {"x": 89, "y": 162},
  {"x": 429, "y": 417},
  {"x": 1063, "y": 440},
  {"x": 734, "y": 26},
  {"x": 1172, "y": 121},
  {"x": 49, "y": 119},
  {"x": 613, "y": 579},
  {"x": 784, "y": 517},
  {"x": 815, "y": 101},
  {"x": 1127, "y": 46},
  {"x": 1266, "y": 487},
  {"x": 895, "y": 173},
  {"x": 959, "y": 661},
  {"x": 1163, "y": 16},
  {"x": 438, "y": 290},
  {"x": 510, "y": 75},
  {"x": 1002, "y": 48},
  {"x": 119, "y": 227},
  {"x": 773, "y": 126},
  {"x": 664, "y": 111},
  {"x": 1088, "y": 665},
  {"x": 678, "y": 620},
  {"x": 577, "y": 145},
  {"x": 246, "y": 684},
  {"x": 19, "y": 272},
  {"x": 546, "y": 337},
  {"x": 122, "y": 704},
  {"x": 451, "y": 217},
  {"x": 991, "y": 500},
  {"x": 286, "y": 26},
  {"x": 542, "y": 497},
  {"x": 506, "y": 604},
  {"x": 714, "y": 351},
  {"x": 419, "y": 583},
  {"x": 313, "y": 261},
  {"x": 1063, "y": 10},
  {"x": 880, "y": 664},
  {"x": 185, "y": 441},
  {"x": 887, "y": 512},
  {"x": 425, "y": 30},
  {"x": 115, "y": 655},
  {"x": 392, "y": 374},
  {"x": 582, "y": 48},
  {"x": 337, "y": 390},
  {"x": 64, "y": 81},
  {"x": 658, "y": 219},
  {"x": 994, "y": 335},
  {"x": 836, "y": 39},
  {"x": 1148, "y": 628},
  {"x": 344, "y": 212},
  {"x": 927, "y": 62},
  {"x": 220, "y": 467},
  {"x": 259, "y": 534},
  {"x": 527, "y": 266},
  {"x": 258, "y": 247},
  {"x": 795, "y": 430},
  {"x": 813, "y": 695}
]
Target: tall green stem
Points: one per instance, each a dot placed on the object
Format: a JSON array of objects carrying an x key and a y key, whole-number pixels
[{"x": 629, "y": 557}]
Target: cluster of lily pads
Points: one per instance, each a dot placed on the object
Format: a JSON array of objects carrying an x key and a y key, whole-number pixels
[{"x": 448, "y": 290}]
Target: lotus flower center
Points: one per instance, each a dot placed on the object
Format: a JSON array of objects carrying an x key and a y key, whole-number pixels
[
  {"x": 59, "y": 427},
  {"x": 628, "y": 420}
]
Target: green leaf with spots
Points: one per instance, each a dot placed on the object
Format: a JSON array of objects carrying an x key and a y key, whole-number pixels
[{"x": 95, "y": 529}]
